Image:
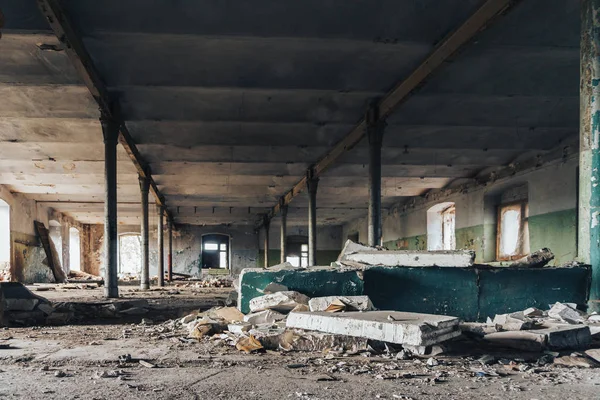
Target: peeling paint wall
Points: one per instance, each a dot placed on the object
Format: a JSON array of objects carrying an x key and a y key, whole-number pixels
[{"x": 552, "y": 198}]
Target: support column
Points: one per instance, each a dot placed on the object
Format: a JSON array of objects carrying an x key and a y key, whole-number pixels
[
  {"x": 170, "y": 253},
  {"x": 375, "y": 128},
  {"x": 312, "y": 182},
  {"x": 145, "y": 278},
  {"x": 266, "y": 224},
  {"x": 283, "y": 232},
  {"x": 161, "y": 247},
  {"x": 589, "y": 155},
  {"x": 110, "y": 131}
]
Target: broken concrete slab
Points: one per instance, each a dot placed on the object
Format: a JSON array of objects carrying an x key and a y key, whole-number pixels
[
  {"x": 409, "y": 258},
  {"x": 239, "y": 328},
  {"x": 351, "y": 247},
  {"x": 228, "y": 314},
  {"x": 347, "y": 303},
  {"x": 536, "y": 259},
  {"x": 299, "y": 340},
  {"x": 279, "y": 301},
  {"x": 567, "y": 313},
  {"x": 556, "y": 338},
  {"x": 264, "y": 317},
  {"x": 512, "y": 322},
  {"x": 387, "y": 326}
]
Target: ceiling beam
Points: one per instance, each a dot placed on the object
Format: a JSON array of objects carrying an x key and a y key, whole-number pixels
[
  {"x": 66, "y": 34},
  {"x": 478, "y": 21}
]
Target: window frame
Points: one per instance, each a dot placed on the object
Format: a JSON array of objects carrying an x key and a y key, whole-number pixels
[{"x": 523, "y": 230}]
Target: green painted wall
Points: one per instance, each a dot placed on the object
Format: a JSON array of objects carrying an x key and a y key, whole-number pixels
[
  {"x": 556, "y": 231},
  {"x": 324, "y": 257}
]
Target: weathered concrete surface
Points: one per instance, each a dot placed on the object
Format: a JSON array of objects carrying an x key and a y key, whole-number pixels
[
  {"x": 469, "y": 293},
  {"x": 388, "y": 326},
  {"x": 352, "y": 303},
  {"x": 402, "y": 258},
  {"x": 279, "y": 301},
  {"x": 556, "y": 338}
]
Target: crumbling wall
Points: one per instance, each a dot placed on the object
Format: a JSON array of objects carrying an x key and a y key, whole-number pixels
[{"x": 552, "y": 199}]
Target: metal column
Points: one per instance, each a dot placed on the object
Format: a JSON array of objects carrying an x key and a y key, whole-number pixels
[
  {"x": 589, "y": 155},
  {"x": 110, "y": 131},
  {"x": 375, "y": 128},
  {"x": 283, "y": 232},
  {"x": 170, "y": 253},
  {"x": 312, "y": 183},
  {"x": 161, "y": 247},
  {"x": 145, "y": 278},
  {"x": 266, "y": 224}
]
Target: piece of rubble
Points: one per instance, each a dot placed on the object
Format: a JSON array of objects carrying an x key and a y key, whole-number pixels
[
  {"x": 275, "y": 287},
  {"x": 147, "y": 364},
  {"x": 567, "y": 313},
  {"x": 264, "y": 317},
  {"x": 248, "y": 344},
  {"x": 594, "y": 319},
  {"x": 477, "y": 328},
  {"x": 340, "y": 303},
  {"x": 301, "y": 307},
  {"x": 189, "y": 318},
  {"x": 574, "y": 361},
  {"x": 134, "y": 311},
  {"x": 556, "y": 338},
  {"x": 280, "y": 301},
  {"x": 231, "y": 300},
  {"x": 299, "y": 340},
  {"x": 533, "y": 312},
  {"x": 594, "y": 354},
  {"x": 239, "y": 328},
  {"x": 513, "y": 322},
  {"x": 45, "y": 308},
  {"x": 536, "y": 259},
  {"x": 413, "y": 258},
  {"x": 229, "y": 314},
  {"x": 387, "y": 326}
]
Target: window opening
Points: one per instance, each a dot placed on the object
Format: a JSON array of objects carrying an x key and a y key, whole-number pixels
[
  {"x": 513, "y": 231},
  {"x": 4, "y": 239},
  {"x": 74, "y": 250},
  {"x": 441, "y": 227},
  {"x": 215, "y": 251},
  {"x": 130, "y": 255}
]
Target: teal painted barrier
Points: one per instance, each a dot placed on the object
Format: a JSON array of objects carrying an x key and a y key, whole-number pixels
[{"x": 468, "y": 293}]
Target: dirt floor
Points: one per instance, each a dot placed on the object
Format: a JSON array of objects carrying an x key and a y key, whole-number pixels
[{"x": 83, "y": 362}]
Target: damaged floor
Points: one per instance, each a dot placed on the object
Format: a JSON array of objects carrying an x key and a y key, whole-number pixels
[{"x": 88, "y": 361}]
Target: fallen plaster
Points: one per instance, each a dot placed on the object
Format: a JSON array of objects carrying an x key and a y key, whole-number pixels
[{"x": 409, "y": 258}]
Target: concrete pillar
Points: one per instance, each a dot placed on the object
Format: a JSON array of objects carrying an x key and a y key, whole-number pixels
[
  {"x": 161, "y": 246},
  {"x": 65, "y": 237},
  {"x": 589, "y": 156},
  {"x": 110, "y": 131},
  {"x": 312, "y": 183},
  {"x": 283, "y": 232},
  {"x": 375, "y": 128},
  {"x": 266, "y": 224},
  {"x": 170, "y": 253},
  {"x": 145, "y": 278}
]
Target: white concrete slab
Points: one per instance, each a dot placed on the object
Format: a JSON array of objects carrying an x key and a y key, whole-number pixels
[
  {"x": 388, "y": 326},
  {"x": 353, "y": 303},
  {"x": 279, "y": 301},
  {"x": 408, "y": 258}
]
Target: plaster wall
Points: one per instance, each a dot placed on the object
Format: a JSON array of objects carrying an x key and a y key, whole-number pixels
[{"x": 552, "y": 198}]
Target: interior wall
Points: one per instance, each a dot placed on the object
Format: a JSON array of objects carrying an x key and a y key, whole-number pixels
[
  {"x": 552, "y": 198},
  {"x": 328, "y": 243}
]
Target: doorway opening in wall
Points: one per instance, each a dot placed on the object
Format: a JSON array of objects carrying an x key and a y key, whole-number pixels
[
  {"x": 130, "y": 254},
  {"x": 4, "y": 241},
  {"x": 297, "y": 250},
  {"x": 513, "y": 231},
  {"x": 215, "y": 251},
  {"x": 74, "y": 250},
  {"x": 441, "y": 227},
  {"x": 55, "y": 234}
]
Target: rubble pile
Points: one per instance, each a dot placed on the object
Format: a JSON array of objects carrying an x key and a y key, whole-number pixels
[{"x": 207, "y": 282}]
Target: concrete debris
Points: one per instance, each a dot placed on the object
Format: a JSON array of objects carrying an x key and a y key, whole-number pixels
[
  {"x": 351, "y": 247},
  {"x": 280, "y": 301},
  {"x": 536, "y": 259},
  {"x": 264, "y": 317},
  {"x": 594, "y": 354},
  {"x": 228, "y": 314},
  {"x": 239, "y": 328},
  {"x": 248, "y": 344},
  {"x": 274, "y": 287},
  {"x": 557, "y": 338},
  {"x": 387, "y": 326},
  {"x": 340, "y": 303},
  {"x": 567, "y": 313},
  {"x": 147, "y": 364},
  {"x": 513, "y": 322},
  {"x": 231, "y": 300},
  {"x": 575, "y": 361},
  {"x": 20, "y": 306},
  {"x": 409, "y": 258},
  {"x": 533, "y": 312},
  {"x": 300, "y": 308},
  {"x": 477, "y": 329}
]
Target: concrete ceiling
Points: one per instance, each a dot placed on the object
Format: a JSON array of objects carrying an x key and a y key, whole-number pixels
[{"x": 231, "y": 101}]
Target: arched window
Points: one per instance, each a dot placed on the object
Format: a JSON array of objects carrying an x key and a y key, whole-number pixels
[
  {"x": 4, "y": 238},
  {"x": 74, "y": 250},
  {"x": 56, "y": 237},
  {"x": 130, "y": 254},
  {"x": 441, "y": 227},
  {"x": 215, "y": 251}
]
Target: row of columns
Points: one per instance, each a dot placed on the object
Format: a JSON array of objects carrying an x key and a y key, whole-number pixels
[
  {"x": 374, "y": 132},
  {"x": 110, "y": 131}
]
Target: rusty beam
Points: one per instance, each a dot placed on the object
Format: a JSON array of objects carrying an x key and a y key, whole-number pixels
[
  {"x": 81, "y": 60},
  {"x": 445, "y": 49}
]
